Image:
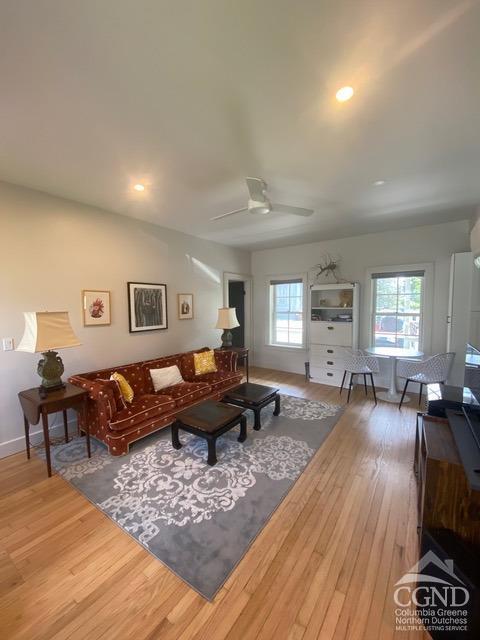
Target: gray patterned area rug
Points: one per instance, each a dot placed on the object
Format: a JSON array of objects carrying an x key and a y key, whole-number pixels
[{"x": 200, "y": 520}]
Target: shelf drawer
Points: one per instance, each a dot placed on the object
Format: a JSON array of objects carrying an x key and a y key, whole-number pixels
[
  {"x": 328, "y": 364},
  {"x": 331, "y": 333},
  {"x": 332, "y": 351},
  {"x": 322, "y": 376}
]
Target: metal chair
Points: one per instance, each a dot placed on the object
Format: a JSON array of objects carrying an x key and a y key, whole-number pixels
[
  {"x": 357, "y": 363},
  {"x": 432, "y": 370}
]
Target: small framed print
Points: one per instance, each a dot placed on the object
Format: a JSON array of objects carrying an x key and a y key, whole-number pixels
[
  {"x": 185, "y": 306},
  {"x": 96, "y": 307},
  {"x": 147, "y": 306}
]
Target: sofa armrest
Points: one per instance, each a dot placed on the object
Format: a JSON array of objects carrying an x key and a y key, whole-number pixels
[
  {"x": 101, "y": 404},
  {"x": 226, "y": 360}
]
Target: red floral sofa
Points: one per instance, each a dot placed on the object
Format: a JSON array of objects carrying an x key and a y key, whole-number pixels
[{"x": 118, "y": 424}]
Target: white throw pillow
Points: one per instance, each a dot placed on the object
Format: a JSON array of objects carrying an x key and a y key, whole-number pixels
[{"x": 165, "y": 377}]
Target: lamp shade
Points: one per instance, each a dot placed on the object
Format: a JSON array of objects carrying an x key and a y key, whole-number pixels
[
  {"x": 227, "y": 318},
  {"x": 47, "y": 330}
]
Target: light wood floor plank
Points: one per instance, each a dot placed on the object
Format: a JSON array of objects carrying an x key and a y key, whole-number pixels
[{"x": 323, "y": 567}]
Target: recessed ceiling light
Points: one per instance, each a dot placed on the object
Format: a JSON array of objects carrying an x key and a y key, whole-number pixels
[
  {"x": 139, "y": 187},
  {"x": 344, "y": 94},
  {"x": 378, "y": 183}
]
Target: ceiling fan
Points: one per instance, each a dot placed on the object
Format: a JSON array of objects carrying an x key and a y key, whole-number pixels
[{"x": 258, "y": 203}]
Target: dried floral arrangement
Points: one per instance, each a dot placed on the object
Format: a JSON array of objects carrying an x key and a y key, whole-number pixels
[{"x": 328, "y": 267}]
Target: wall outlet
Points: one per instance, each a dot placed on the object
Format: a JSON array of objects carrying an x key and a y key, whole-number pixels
[{"x": 7, "y": 344}]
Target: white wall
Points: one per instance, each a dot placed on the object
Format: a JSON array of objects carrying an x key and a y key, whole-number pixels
[
  {"x": 54, "y": 248},
  {"x": 426, "y": 244},
  {"x": 475, "y": 234}
]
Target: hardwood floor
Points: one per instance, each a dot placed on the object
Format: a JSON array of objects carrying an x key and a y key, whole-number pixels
[{"x": 323, "y": 567}]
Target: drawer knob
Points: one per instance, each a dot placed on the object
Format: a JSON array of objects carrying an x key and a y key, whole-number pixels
[
  {"x": 329, "y": 350},
  {"x": 330, "y": 328},
  {"x": 329, "y": 374},
  {"x": 329, "y": 362}
]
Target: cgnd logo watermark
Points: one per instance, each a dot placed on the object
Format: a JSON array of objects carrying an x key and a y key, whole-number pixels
[{"x": 430, "y": 595}]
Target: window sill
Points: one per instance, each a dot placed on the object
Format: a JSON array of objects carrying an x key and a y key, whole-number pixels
[{"x": 286, "y": 346}]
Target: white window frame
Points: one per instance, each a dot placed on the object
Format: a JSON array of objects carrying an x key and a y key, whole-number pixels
[
  {"x": 269, "y": 314},
  {"x": 425, "y": 338}
]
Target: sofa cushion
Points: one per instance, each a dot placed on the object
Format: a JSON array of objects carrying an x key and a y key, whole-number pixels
[
  {"x": 226, "y": 360},
  {"x": 133, "y": 374},
  {"x": 165, "y": 377},
  {"x": 187, "y": 364},
  {"x": 187, "y": 392},
  {"x": 204, "y": 362},
  {"x": 221, "y": 379},
  {"x": 117, "y": 394},
  {"x": 125, "y": 388},
  {"x": 142, "y": 408},
  {"x": 159, "y": 363}
]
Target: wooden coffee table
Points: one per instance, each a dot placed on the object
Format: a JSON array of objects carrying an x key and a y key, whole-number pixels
[
  {"x": 254, "y": 396},
  {"x": 209, "y": 420}
]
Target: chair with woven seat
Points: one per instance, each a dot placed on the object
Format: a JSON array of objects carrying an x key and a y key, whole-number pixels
[
  {"x": 357, "y": 363},
  {"x": 432, "y": 370}
]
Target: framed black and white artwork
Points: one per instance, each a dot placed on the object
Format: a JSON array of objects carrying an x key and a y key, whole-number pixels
[
  {"x": 185, "y": 306},
  {"x": 147, "y": 306}
]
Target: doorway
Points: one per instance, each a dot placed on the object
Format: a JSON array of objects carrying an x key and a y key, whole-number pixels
[
  {"x": 236, "y": 299},
  {"x": 237, "y": 293}
]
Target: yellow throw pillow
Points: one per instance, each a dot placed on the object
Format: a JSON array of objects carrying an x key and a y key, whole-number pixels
[
  {"x": 204, "y": 362},
  {"x": 125, "y": 388}
]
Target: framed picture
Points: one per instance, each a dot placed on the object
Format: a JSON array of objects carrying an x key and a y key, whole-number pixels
[
  {"x": 185, "y": 306},
  {"x": 147, "y": 306},
  {"x": 96, "y": 307}
]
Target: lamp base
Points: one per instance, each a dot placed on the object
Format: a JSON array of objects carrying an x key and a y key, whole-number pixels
[
  {"x": 44, "y": 391},
  {"x": 226, "y": 339},
  {"x": 50, "y": 369}
]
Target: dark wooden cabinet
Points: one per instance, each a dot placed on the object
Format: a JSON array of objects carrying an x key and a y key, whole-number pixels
[{"x": 445, "y": 497}]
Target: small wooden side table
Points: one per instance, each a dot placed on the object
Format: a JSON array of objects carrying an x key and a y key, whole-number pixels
[{"x": 34, "y": 406}]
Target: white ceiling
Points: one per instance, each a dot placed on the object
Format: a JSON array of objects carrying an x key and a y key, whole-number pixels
[{"x": 191, "y": 96}]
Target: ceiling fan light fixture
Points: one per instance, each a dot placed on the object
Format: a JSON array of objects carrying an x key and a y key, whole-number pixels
[
  {"x": 259, "y": 204},
  {"x": 344, "y": 94},
  {"x": 259, "y": 207}
]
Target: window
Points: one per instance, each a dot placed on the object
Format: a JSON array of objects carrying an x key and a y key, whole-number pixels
[
  {"x": 286, "y": 312},
  {"x": 398, "y": 301}
]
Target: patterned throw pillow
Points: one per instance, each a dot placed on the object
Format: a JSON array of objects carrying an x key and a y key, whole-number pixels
[
  {"x": 125, "y": 388},
  {"x": 204, "y": 362}
]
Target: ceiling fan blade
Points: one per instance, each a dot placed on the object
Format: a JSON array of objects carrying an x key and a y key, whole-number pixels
[
  {"x": 257, "y": 188},
  {"x": 230, "y": 213},
  {"x": 296, "y": 211}
]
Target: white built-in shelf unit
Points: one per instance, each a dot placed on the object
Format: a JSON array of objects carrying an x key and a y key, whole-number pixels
[{"x": 333, "y": 313}]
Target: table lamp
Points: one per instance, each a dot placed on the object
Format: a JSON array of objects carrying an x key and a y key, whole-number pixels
[
  {"x": 46, "y": 331},
  {"x": 227, "y": 319}
]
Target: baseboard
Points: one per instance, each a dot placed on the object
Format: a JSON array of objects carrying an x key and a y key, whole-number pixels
[
  {"x": 382, "y": 383},
  {"x": 16, "y": 445},
  {"x": 263, "y": 363}
]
